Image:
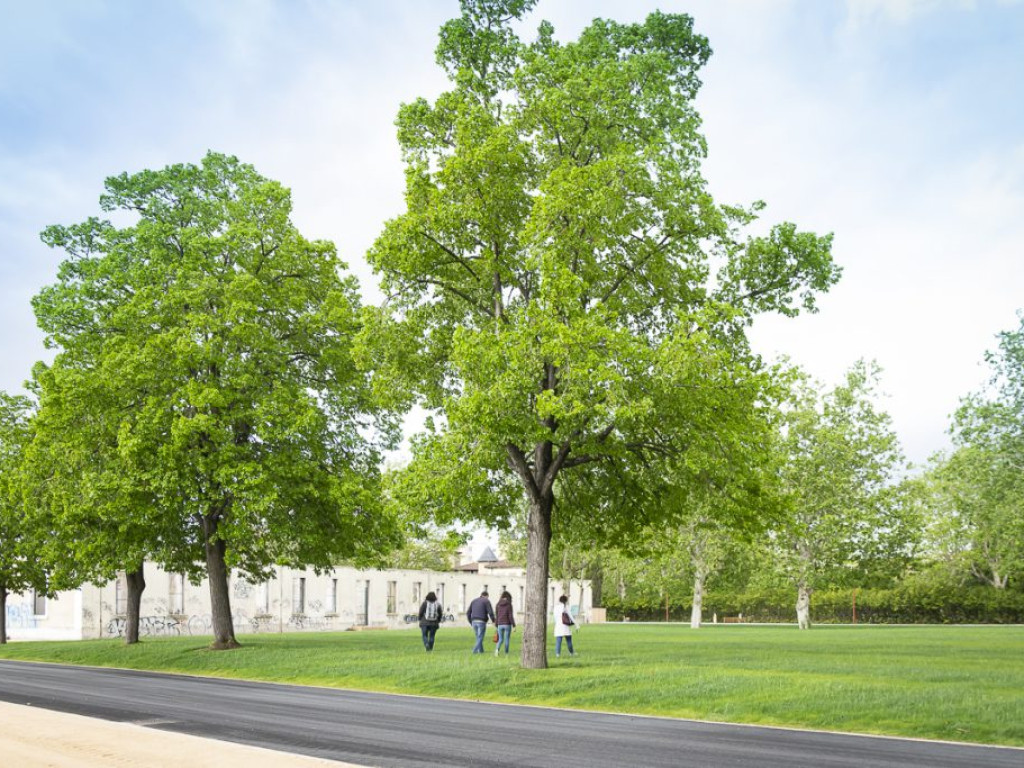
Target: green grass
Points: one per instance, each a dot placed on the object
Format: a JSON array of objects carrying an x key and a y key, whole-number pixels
[{"x": 957, "y": 683}]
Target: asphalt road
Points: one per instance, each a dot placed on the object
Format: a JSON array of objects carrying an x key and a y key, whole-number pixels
[{"x": 412, "y": 732}]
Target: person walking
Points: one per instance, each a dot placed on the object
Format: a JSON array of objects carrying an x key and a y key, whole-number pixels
[
  {"x": 505, "y": 621},
  {"x": 480, "y": 610},
  {"x": 430, "y": 620},
  {"x": 563, "y": 626}
]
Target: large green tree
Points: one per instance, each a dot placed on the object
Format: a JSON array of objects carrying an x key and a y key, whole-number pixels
[
  {"x": 563, "y": 292},
  {"x": 839, "y": 469},
  {"x": 209, "y": 345},
  {"x": 20, "y": 569}
]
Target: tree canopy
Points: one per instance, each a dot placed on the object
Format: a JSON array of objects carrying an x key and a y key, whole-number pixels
[
  {"x": 563, "y": 292},
  {"x": 20, "y": 567},
  {"x": 207, "y": 345},
  {"x": 839, "y": 465}
]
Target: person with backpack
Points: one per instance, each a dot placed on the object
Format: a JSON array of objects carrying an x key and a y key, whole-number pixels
[
  {"x": 430, "y": 620},
  {"x": 480, "y": 610},
  {"x": 505, "y": 620},
  {"x": 564, "y": 623}
]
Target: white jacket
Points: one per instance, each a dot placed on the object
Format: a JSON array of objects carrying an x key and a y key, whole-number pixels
[{"x": 562, "y": 630}]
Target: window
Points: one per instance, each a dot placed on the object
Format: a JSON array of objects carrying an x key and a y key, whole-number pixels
[
  {"x": 332, "y": 596},
  {"x": 440, "y": 595},
  {"x": 176, "y": 594},
  {"x": 299, "y": 595},
  {"x": 392, "y": 597},
  {"x": 120, "y": 596},
  {"x": 522, "y": 598},
  {"x": 264, "y": 598},
  {"x": 363, "y": 603},
  {"x": 462, "y": 597},
  {"x": 417, "y": 589},
  {"x": 38, "y": 603}
]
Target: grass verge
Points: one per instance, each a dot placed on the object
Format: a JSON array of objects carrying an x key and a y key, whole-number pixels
[{"x": 936, "y": 682}]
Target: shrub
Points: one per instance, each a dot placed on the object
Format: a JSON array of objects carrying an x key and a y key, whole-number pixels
[{"x": 909, "y": 603}]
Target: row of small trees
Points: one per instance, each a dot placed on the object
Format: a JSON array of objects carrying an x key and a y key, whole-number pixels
[{"x": 855, "y": 515}]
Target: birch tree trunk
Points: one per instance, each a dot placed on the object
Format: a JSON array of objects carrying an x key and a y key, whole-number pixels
[
  {"x": 697, "y": 611},
  {"x": 803, "y": 606},
  {"x": 3, "y": 614},
  {"x": 136, "y": 583}
]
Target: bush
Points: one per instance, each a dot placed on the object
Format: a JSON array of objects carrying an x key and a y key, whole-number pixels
[{"x": 909, "y": 603}]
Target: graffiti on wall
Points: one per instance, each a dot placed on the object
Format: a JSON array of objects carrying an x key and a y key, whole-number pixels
[
  {"x": 202, "y": 624},
  {"x": 310, "y": 623},
  {"x": 21, "y": 616},
  {"x": 149, "y": 626}
]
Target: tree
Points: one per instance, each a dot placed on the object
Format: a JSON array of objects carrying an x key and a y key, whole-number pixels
[
  {"x": 839, "y": 464},
  {"x": 982, "y": 483},
  {"x": 20, "y": 571},
  {"x": 975, "y": 500},
  {"x": 219, "y": 341},
  {"x": 428, "y": 549},
  {"x": 78, "y": 486},
  {"x": 563, "y": 292}
]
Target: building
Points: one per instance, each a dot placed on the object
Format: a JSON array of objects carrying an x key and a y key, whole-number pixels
[{"x": 291, "y": 601}]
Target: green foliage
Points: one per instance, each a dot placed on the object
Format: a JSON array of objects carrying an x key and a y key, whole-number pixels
[
  {"x": 428, "y": 549},
  {"x": 565, "y": 294},
  {"x": 976, "y": 496},
  {"x": 911, "y": 602},
  {"x": 204, "y": 388},
  {"x": 839, "y": 472},
  {"x": 20, "y": 569},
  {"x": 975, "y": 503}
]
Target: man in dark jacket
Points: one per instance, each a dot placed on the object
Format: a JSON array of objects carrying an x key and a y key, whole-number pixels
[{"x": 480, "y": 610}]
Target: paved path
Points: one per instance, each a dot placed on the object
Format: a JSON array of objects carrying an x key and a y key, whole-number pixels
[{"x": 411, "y": 732}]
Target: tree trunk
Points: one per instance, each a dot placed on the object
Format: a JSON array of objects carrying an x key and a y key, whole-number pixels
[
  {"x": 596, "y": 584},
  {"x": 3, "y": 614},
  {"x": 697, "y": 612},
  {"x": 566, "y": 573},
  {"x": 220, "y": 599},
  {"x": 803, "y": 606},
  {"x": 538, "y": 546},
  {"x": 136, "y": 582}
]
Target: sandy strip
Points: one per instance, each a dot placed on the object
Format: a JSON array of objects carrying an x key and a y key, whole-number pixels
[{"x": 31, "y": 737}]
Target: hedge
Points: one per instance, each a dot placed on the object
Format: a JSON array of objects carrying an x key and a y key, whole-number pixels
[{"x": 907, "y": 604}]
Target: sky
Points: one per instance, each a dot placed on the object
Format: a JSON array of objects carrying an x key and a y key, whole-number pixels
[{"x": 897, "y": 125}]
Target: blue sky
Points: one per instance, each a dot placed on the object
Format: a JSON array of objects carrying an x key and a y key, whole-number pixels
[{"x": 896, "y": 124}]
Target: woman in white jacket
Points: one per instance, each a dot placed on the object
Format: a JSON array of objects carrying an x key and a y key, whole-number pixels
[{"x": 563, "y": 626}]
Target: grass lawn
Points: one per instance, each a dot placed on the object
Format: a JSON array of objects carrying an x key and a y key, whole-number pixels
[{"x": 937, "y": 682}]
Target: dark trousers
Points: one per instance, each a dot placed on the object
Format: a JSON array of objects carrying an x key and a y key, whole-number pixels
[{"x": 428, "y": 633}]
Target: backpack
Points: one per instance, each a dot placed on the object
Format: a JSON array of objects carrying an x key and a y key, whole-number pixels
[{"x": 432, "y": 612}]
